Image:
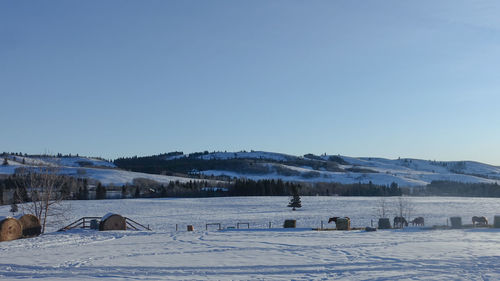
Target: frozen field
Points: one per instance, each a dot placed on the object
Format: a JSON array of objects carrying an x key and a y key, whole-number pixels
[{"x": 260, "y": 253}]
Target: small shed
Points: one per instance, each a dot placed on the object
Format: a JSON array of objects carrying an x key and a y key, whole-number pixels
[{"x": 112, "y": 222}]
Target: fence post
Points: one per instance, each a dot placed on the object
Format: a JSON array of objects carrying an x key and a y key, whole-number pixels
[
  {"x": 321, "y": 224},
  {"x": 176, "y": 227},
  {"x": 269, "y": 224}
]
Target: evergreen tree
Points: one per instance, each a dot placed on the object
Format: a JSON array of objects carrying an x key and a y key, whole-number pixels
[
  {"x": 163, "y": 191},
  {"x": 124, "y": 192},
  {"x": 295, "y": 200},
  {"x": 100, "y": 192},
  {"x": 137, "y": 193},
  {"x": 83, "y": 193}
]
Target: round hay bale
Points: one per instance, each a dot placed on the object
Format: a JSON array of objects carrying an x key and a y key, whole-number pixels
[
  {"x": 113, "y": 222},
  {"x": 10, "y": 229},
  {"x": 190, "y": 228},
  {"x": 343, "y": 224},
  {"x": 31, "y": 225}
]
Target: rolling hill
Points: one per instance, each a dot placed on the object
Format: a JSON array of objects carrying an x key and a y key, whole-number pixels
[{"x": 313, "y": 168}]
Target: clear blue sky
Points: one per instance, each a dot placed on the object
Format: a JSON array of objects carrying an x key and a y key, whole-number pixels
[{"x": 360, "y": 78}]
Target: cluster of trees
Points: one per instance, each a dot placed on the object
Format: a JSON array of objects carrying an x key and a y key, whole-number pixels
[
  {"x": 247, "y": 187},
  {"x": 169, "y": 165},
  {"x": 24, "y": 184},
  {"x": 449, "y": 188},
  {"x": 42, "y": 191},
  {"x": 355, "y": 189}
]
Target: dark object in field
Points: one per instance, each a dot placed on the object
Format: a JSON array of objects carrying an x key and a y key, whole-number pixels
[
  {"x": 190, "y": 228},
  {"x": 31, "y": 225},
  {"x": 290, "y": 224},
  {"x": 112, "y": 222},
  {"x": 418, "y": 221},
  {"x": 496, "y": 222},
  {"x": 400, "y": 222},
  {"x": 370, "y": 229},
  {"x": 384, "y": 223},
  {"x": 341, "y": 223},
  {"x": 456, "y": 222},
  {"x": 10, "y": 229},
  {"x": 479, "y": 221}
]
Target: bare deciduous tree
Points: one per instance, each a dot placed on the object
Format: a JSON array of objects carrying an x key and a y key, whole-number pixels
[
  {"x": 44, "y": 191},
  {"x": 403, "y": 207},
  {"x": 383, "y": 207}
]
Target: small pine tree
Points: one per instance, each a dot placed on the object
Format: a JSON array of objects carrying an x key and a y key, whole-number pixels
[{"x": 295, "y": 201}]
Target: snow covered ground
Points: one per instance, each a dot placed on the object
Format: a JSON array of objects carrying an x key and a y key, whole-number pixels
[{"x": 260, "y": 253}]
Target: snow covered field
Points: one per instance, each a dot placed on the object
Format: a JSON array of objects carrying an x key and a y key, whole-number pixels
[{"x": 260, "y": 253}]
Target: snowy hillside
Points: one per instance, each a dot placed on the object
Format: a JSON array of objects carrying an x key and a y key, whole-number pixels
[
  {"x": 267, "y": 165},
  {"x": 236, "y": 155},
  {"x": 404, "y": 172},
  {"x": 83, "y": 167},
  {"x": 259, "y": 253}
]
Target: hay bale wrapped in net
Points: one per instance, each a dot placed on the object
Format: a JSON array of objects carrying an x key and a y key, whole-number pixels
[
  {"x": 112, "y": 222},
  {"x": 456, "y": 222},
  {"x": 496, "y": 222},
  {"x": 10, "y": 229},
  {"x": 384, "y": 223},
  {"x": 290, "y": 224},
  {"x": 31, "y": 225},
  {"x": 343, "y": 224}
]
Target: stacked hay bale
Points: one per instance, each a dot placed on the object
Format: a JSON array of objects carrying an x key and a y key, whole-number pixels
[
  {"x": 343, "y": 224},
  {"x": 10, "y": 229},
  {"x": 456, "y": 222},
  {"x": 112, "y": 222},
  {"x": 384, "y": 223},
  {"x": 30, "y": 225},
  {"x": 290, "y": 224}
]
